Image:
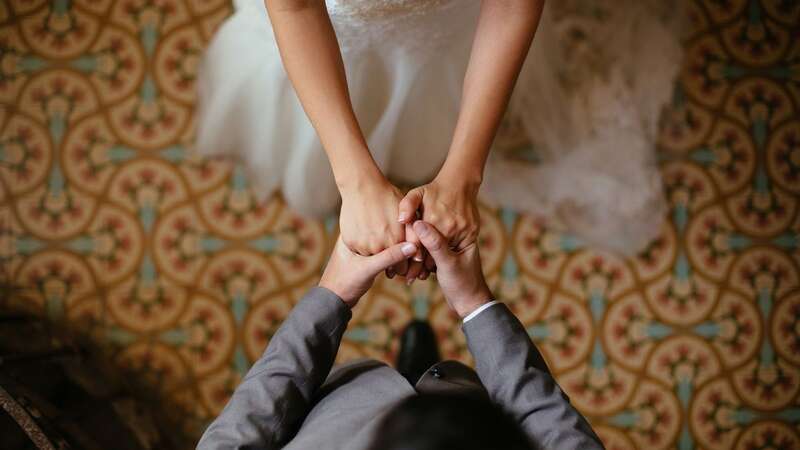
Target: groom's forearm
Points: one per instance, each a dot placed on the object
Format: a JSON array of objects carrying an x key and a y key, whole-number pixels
[
  {"x": 517, "y": 378},
  {"x": 502, "y": 39},
  {"x": 313, "y": 61}
]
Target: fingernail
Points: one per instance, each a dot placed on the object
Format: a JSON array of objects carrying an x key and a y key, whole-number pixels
[
  {"x": 409, "y": 281},
  {"x": 408, "y": 249},
  {"x": 402, "y": 217},
  {"x": 419, "y": 259}
]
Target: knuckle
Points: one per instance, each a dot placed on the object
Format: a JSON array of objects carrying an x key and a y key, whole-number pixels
[
  {"x": 358, "y": 248},
  {"x": 373, "y": 248},
  {"x": 449, "y": 229}
]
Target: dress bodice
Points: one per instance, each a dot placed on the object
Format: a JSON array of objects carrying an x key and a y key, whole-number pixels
[
  {"x": 421, "y": 25},
  {"x": 378, "y": 9}
]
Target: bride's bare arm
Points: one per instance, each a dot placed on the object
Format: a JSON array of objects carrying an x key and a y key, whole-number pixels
[
  {"x": 504, "y": 34},
  {"x": 310, "y": 53},
  {"x": 502, "y": 39},
  {"x": 311, "y": 57}
]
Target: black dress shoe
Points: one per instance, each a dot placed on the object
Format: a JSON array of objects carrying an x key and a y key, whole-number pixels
[{"x": 418, "y": 350}]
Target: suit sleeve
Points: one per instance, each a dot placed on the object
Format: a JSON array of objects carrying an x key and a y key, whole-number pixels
[
  {"x": 275, "y": 395},
  {"x": 517, "y": 378}
]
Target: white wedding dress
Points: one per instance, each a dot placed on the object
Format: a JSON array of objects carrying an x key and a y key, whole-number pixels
[{"x": 588, "y": 100}]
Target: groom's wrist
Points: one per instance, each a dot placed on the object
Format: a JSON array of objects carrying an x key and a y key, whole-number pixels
[
  {"x": 339, "y": 292},
  {"x": 465, "y": 309},
  {"x": 466, "y": 303}
]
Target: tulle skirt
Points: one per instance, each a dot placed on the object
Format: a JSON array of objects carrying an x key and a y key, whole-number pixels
[{"x": 588, "y": 108}]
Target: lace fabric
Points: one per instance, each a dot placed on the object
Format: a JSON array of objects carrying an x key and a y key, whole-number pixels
[{"x": 410, "y": 25}]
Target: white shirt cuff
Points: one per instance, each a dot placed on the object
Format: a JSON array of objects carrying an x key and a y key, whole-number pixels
[{"x": 479, "y": 310}]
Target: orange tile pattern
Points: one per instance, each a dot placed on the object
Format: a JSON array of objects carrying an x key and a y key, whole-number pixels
[{"x": 108, "y": 223}]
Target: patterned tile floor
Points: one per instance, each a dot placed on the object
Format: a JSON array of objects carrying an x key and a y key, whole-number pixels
[{"x": 107, "y": 223}]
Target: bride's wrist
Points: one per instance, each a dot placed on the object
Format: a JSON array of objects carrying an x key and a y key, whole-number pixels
[
  {"x": 468, "y": 181},
  {"x": 359, "y": 177}
]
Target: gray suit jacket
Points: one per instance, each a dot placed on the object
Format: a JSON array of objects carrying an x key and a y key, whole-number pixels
[{"x": 291, "y": 399}]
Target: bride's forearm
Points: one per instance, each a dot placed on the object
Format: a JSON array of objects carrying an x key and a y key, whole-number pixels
[
  {"x": 313, "y": 61},
  {"x": 502, "y": 39}
]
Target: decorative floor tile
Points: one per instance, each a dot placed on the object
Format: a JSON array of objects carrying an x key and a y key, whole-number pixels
[{"x": 109, "y": 224}]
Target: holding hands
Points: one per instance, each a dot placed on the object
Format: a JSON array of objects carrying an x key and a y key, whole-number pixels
[
  {"x": 459, "y": 273},
  {"x": 375, "y": 215},
  {"x": 449, "y": 205}
]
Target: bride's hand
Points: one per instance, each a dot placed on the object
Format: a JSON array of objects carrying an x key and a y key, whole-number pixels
[
  {"x": 449, "y": 205},
  {"x": 368, "y": 218}
]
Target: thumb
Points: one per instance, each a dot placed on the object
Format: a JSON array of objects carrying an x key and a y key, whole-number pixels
[
  {"x": 409, "y": 205},
  {"x": 411, "y": 236},
  {"x": 390, "y": 256},
  {"x": 432, "y": 240}
]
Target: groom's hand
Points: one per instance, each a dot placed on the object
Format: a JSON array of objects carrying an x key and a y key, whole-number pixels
[
  {"x": 350, "y": 275},
  {"x": 458, "y": 272}
]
